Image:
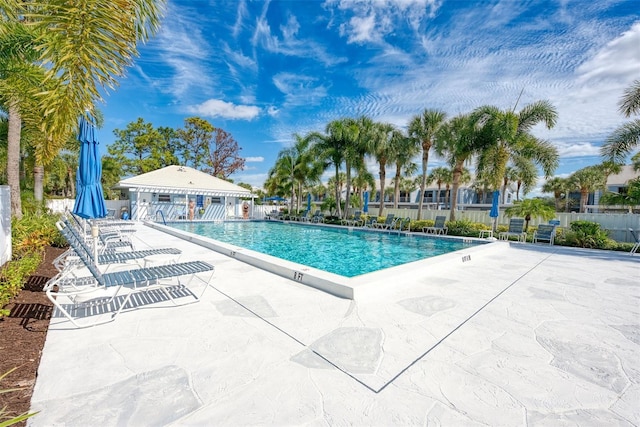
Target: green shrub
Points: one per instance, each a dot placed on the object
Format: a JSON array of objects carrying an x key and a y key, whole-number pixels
[
  {"x": 587, "y": 234},
  {"x": 461, "y": 227},
  {"x": 29, "y": 237}
]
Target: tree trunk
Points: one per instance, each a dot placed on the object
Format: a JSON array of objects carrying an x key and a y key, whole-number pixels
[
  {"x": 396, "y": 188},
  {"x": 347, "y": 201},
  {"x": 423, "y": 184},
  {"x": 38, "y": 183},
  {"x": 455, "y": 184},
  {"x": 583, "y": 201},
  {"x": 383, "y": 177},
  {"x": 13, "y": 159},
  {"x": 338, "y": 191}
]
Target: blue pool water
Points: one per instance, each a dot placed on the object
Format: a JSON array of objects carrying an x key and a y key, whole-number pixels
[{"x": 337, "y": 250}]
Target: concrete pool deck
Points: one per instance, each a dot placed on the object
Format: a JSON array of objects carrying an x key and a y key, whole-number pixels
[{"x": 521, "y": 334}]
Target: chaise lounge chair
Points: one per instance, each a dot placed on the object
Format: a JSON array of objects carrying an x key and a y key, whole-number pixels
[
  {"x": 636, "y": 238},
  {"x": 545, "y": 232},
  {"x": 388, "y": 223},
  {"x": 317, "y": 217},
  {"x": 92, "y": 299},
  {"x": 438, "y": 227},
  {"x": 516, "y": 228},
  {"x": 356, "y": 221}
]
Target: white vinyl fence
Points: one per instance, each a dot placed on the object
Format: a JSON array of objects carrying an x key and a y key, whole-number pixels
[
  {"x": 617, "y": 225},
  {"x": 5, "y": 224}
]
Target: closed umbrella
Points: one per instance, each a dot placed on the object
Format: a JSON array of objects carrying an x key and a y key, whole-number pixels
[
  {"x": 365, "y": 205},
  {"x": 309, "y": 202},
  {"x": 89, "y": 198},
  {"x": 495, "y": 211}
]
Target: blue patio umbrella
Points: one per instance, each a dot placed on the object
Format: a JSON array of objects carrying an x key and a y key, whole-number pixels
[
  {"x": 309, "y": 202},
  {"x": 495, "y": 212},
  {"x": 365, "y": 207},
  {"x": 89, "y": 198}
]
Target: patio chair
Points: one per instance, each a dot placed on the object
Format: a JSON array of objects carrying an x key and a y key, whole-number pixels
[
  {"x": 636, "y": 238},
  {"x": 369, "y": 222},
  {"x": 516, "y": 228},
  {"x": 317, "y": 217},
  {"x": 110, "y": 239},
  {"x": 113, "y": 257},
  {"x": 94, "y": 300},
  {"x": 388, "y": 223},
  {"x": 355, "y": 221},
  {"x": 545, "y": 232},
  {"x": 304, "y": 217},
  {"x": 438, "y": 227}
]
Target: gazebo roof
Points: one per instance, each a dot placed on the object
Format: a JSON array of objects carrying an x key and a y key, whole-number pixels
[{"x": 182, "y": 180}]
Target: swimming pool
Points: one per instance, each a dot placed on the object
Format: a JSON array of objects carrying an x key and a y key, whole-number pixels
[{"x": 344, "y": 251}]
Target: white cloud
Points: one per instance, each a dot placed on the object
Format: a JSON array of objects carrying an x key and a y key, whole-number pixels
[
  {"x": 299, "y": 89},
  {"x": 227, "y": 110},
  {"x": 619, "y": 60},
  {"x": 257, "y": 159},
  {"x": 372, "y": 20},
  {"x": 272, "y": 111}
]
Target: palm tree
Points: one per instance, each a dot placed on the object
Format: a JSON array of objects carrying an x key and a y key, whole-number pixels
[
  {"x": 358, "y": 135},
  {"x": 20, "y": 79},
  {"x": 507, "y": 137},
  {"x": 404, "y": 152},
  {"x": 529, "y": 208},
  {"x": 423, "y": 129},
  {"x": 381, "y": 141},
  {"x": 459, "y": 141},
  {"x": 439, "y": 175},
  {"x": 559, "y": 187},
  {"x": 80, "y": 50},
  {"x": 294, "y": 166},
  {"x": 629, "y": 199},
  {"x": 587, "y": 180},
  {"x": 525, "y": 174},
  {"x": 623, "y": 140},
  {"x": 330, "y": 148}
]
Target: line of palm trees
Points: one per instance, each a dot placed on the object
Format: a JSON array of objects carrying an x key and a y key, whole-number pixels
[{"x": 499, "y": 142}]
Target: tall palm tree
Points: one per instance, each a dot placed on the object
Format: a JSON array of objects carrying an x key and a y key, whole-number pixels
[
  {"x": 459, "y": 141},
  {"x": 525, "y": 174},
  {"x": 82, "y": 49},
  {"x": 382, "y": 138},
  {"x": 404, "y": 152},
  {"x": 587, "y": 180},
  {"x": 295, "y": 165},
  {"x": 330, "y": 148},
  {"x": 625, "y": 138},
  {"x": 507, "y": 137},
  {"x": 423, "y": 129},
  {"x": 358, "y": 134},
  {"x": 439, "y": 175},
  {"x": 20, "y": 79},
  {"x": 559, "y": 187}
]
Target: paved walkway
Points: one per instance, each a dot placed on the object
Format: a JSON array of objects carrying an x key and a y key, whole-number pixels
[{"x": 521, "y": 334}]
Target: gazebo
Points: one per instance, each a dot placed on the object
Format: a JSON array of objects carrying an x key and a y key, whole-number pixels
[{"x": 183, "y": 193}]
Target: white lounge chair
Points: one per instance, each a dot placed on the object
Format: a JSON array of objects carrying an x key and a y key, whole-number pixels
[{"x": 93, "y": 299}]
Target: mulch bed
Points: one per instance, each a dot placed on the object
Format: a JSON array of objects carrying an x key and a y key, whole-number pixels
[{"x": 22, "y": 337}]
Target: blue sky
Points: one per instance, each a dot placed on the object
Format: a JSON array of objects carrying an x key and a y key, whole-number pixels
[{"x": 264, "y": 70}]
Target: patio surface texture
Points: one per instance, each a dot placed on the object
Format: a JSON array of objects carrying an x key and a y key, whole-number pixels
[{"x": 520, "y": 335}]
